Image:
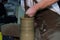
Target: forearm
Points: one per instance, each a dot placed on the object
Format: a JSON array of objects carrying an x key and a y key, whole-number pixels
[{"x": 44, "y": 3}]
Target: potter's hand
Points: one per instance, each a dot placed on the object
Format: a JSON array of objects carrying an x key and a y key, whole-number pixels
[
  {"x": 41, "y": 5},
  {"x": 31, "y": 12}
]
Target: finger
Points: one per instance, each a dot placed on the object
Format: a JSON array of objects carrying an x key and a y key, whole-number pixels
[{"x": 30, "y": 15}]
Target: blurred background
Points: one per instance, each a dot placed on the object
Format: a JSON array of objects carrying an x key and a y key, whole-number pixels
[
  {"x": 10, "y": 14},
  {"x": 12, "y": 9}
]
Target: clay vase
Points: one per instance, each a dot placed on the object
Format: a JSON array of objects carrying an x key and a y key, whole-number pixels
[{"x": 27, "y": 29}]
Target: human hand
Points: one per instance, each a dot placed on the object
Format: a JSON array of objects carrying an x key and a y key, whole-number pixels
[{"x": 31, "y": 11}]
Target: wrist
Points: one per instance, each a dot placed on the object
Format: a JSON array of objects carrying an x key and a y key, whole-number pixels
[{"x": 37, "y": 7}]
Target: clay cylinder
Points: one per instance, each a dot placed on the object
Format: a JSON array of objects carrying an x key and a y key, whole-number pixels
[{"x": 27, "y": 29}]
